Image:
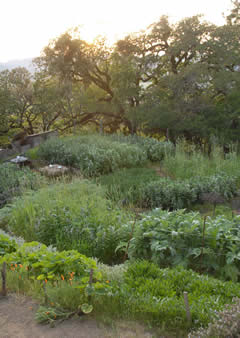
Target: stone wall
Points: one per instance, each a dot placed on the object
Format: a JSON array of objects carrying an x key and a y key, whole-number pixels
[{"x": 29, "y": 142}]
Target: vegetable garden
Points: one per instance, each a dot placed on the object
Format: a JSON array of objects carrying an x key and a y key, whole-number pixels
[{"x": 127, "y": 239}]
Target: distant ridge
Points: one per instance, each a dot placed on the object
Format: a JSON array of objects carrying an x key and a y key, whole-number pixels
[{"x": 27, "y": 63}]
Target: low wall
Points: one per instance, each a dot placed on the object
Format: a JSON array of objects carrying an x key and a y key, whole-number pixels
[{"x": 29, "y": 142}]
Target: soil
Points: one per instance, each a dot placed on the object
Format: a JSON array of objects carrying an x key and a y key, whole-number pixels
[{"x": 17, "y": 321}]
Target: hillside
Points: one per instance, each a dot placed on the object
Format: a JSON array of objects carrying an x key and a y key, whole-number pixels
[{"x": 27, "y": 63}]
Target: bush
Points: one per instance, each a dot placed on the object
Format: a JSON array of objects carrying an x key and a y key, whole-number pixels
[
  {"x": 156, "y": 150},
  {"x": 170, "y": 194},
  {"x": 93, "y": 155},
  {"x": 227, "y": 324},
  {"x": 71, "y": 216},
  {"x": 7, "y": 245},
  {"x": 156, "y": 295},
  {"x": 45, "y": 264},
  {"x": 14, "y": 181},
  {"x": 173, "y": 238}
]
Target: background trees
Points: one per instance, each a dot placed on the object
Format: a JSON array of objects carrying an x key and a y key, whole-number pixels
[{"x": 174, "y": 79}]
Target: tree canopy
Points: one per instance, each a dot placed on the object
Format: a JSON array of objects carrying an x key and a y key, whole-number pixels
[{"x": 175, "y": 79}]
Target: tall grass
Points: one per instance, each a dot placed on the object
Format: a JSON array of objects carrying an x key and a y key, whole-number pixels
[
  {"x": 189, "y": 161},
  {"x": 14, "y": 181},
  {"x": 71, "y": 216},
  {"x": 125, "y": 186}
]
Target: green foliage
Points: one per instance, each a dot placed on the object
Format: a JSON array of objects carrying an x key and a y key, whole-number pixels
[
  {"x": 189, "y": 161},
  {"x": 14, "y": 181},
  {"x": 45, "y": 265},
  {"x": 156, "y": 295},
  {"x": 71, "y": 216},
  {"x": 125, "y": 185},
  {"x": 227, "y": 324},
  {"x": 68, "y": 278},
  {"x": 170, "y": 194},
  {"x": 93, "y": 155},
  {"x": 176, "y": 238},
  {"x": 156, "y": 150},
  {"x": 7, "y": 245}
]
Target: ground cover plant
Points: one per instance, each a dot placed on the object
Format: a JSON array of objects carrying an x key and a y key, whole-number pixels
[
  {"x": 94, "y": 155},
  {"x": 169, "y": 239},
  {"x": 49, "y": 269},
  {"x": 14, "y": 181},
  {"x": 68, "y": 283},
  {"x": 227, "y": 323},
  {"x": 71, "y": 216},
  {"x": 155, "y": 295}
]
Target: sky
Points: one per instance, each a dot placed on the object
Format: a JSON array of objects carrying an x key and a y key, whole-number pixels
[{"x": 27, "y": 26}]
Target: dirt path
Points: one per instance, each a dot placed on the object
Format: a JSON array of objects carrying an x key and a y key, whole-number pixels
[{"x": 17, "y": 321}]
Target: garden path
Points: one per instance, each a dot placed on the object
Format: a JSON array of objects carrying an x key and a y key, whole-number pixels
[{"x": 17, "y": 321}]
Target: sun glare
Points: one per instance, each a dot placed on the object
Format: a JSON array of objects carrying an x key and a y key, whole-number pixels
[{"x": 29, "y": 25}]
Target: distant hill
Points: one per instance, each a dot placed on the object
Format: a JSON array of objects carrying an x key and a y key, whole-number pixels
[{"x": 27, "y": 63}]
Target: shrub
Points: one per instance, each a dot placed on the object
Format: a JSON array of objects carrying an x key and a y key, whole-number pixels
[
  {"x": 170, "y": 194},
  {"x": 71, "y": 216},
  {"x": 227, "y": 324},
  {"x": 173, "y": 238},
  {"x": 156, "y": 295},
  {"x": 93, "y": 155},
  {"x": 7, "y": 245},
  {"x": 156, "y": 150},
  {"x": 13, "y": 181}
]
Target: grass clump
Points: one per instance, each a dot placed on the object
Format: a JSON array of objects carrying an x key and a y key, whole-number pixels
[
  {"x": 125, "y": 185},
  {"x": 14, "y": 181},
  {"x": 71, "y": 216},
  {"x": 189, "y": 161}
]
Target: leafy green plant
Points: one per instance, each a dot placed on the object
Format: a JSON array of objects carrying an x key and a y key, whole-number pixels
[
  {"x": 156, "y": 295},
  {"x": 180, "y": 238},
  {"x": 7, "y": 245}
]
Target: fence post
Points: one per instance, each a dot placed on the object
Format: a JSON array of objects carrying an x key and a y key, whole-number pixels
[
  {"x": 90, "y": 283},
  {"x": 4, "y": 279},
  {"x": 203, "y": 239},
  {"x": 187, "y": 307}
]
